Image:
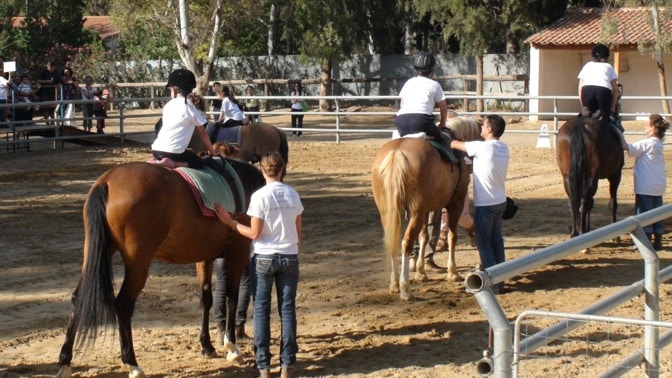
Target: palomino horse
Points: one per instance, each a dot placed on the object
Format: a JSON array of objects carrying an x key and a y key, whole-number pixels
[
  {"x": 409, "y": 175},
  {"x": 587, "y": 151},
  {"x": 145, "y": 211}
]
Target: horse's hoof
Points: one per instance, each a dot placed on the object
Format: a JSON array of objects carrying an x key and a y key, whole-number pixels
[
  {"x": 454, "y": 277},
  {"x": 421, "y": 277},
  {"x": 235, "y": 358},
  {"x": 406, "y": 296},
  {"x": 135, "y": 372},
  {"x": 64, "y": 372},
  {"x": 394, "y": 289},
  {"x": 586, "y": 251},
  {"x": 209, "y": 352}
]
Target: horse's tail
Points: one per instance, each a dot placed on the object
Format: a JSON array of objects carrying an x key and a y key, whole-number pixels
[
  {"x": 284, "y": 147},
  {"x": 579, "y": 167},
  {"x": 391, "y": 171},
  {"x": 93, "y": 300}
]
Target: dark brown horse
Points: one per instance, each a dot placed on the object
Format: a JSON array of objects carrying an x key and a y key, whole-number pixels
[
  {"x": 587, "y": 151},
  {"x": 409, "y": 176},
  {"x": 145, "y": 211}
]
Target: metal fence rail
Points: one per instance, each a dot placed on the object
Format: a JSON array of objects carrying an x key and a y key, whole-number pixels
[
  {"x": 18, "y": 133},
  {"x": 480, "y": 283}
]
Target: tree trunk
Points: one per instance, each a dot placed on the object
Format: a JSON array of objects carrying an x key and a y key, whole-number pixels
[
  {"x": 479, "y": 83},
  {"x": 325, "y": 83},
  {"x": 663, "y": 87},
  {"x": 202, "y": 70},
  {"x": 272, "y": 27}
]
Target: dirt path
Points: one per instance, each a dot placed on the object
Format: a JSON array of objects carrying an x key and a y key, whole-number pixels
[{"x": 349, "y": 325}]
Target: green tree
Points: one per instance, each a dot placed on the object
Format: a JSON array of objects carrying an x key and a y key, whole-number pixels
[
  {"x": 50, "y": 24},
  {"x": 9, "y": 10},
  {"x": 326, "y": 32}
]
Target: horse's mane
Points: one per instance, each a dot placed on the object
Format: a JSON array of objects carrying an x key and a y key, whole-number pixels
[{"x": 464, "y": 128}]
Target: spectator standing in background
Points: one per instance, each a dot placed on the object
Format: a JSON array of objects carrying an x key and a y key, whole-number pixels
[
  {"x": 89, "y": 92},
  {"x": 297, "y": 119}
]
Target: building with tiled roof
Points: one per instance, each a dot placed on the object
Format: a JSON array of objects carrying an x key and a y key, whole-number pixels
[
  {"x": 97, "y": 24},
  {"x": 558, "y": 52}
]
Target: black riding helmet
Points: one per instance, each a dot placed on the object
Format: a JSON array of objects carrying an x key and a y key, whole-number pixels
[
  {"x": 424, "y": 62},
  {"x": 182, "y": 78},
  {"x": 600, "y": 51}
]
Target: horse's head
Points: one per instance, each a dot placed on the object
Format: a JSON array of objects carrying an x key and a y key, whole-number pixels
[
  {"x": 227, "y": 150},
  {"x": 465, "y": 128}
]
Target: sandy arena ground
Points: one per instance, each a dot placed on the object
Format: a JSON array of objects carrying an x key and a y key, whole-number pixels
[{"x": 349, "y": 325}]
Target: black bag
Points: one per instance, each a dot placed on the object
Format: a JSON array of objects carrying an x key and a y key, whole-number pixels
[{"x": 511, "y": 209}]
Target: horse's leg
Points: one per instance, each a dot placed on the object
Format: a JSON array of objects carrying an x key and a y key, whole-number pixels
[
  {"x": 415, "y": 224},
  {"x": 204, "y": 274},
  {"x": 420, "y": 274},
  {"x": 454, "y": 214},
  {"x": 236, "y": 261},
  {"x": 65, "y": 357},
  {"x": 135, "y": 277}
]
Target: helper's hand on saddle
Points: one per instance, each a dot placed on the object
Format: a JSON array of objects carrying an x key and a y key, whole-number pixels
[{"x": 224, "y": 215}]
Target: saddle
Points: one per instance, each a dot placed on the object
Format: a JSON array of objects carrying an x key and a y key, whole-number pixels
[{"x": 446, "y": 153}]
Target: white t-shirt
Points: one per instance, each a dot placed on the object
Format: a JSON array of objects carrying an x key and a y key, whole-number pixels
[
  {"x": 491, "y": 161},
  {"x": 419, "y": 95},
  {"x": 179, "y": 122},
  {"x": 649, "y": 169},
  {"x": 598, "y": 73},
  {"x": 278, "y": 204},
  {"x": 3, "y": 88},
  {"x": 231, "y": 110}
]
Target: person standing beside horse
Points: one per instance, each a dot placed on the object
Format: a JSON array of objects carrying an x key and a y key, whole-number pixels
[
  {"x": 490, "y": 164},
  {"x": 419, "y": 96},
  {"x": 181, "y": 120},
  {"x": 649, "y": 174},
  {"x": 275, "y": 230},
  {"x": 598, "y": 88},
  {"x": 251, "y": 105}
]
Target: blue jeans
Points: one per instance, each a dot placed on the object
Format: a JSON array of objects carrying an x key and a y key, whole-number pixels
[
  {"x": 489, "y": 239},
  {"x": 644, "y": 203},
  {"x": 284, "y": 271}
]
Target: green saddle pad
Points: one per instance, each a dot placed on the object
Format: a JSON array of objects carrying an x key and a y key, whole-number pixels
[{"x": 213, "y": 188}]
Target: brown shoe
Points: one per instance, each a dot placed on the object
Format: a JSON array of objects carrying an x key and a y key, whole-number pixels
[
  {"x": 431, "y": 266},
  {"x": 288, "y": 372},
  {"x": 264, "y": 373}
]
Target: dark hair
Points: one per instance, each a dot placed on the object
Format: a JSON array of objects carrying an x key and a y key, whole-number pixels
[
  {"x": 600, "y": 52},
  {"x": 660, "y": 124},
  {"x": 226, "y": 92},
  {"x": 497, "y": 124}
]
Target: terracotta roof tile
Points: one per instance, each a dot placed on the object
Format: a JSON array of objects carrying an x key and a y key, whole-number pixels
[
  {"x": 99, "y": 24},
  {"x": 581, "y": 27}
]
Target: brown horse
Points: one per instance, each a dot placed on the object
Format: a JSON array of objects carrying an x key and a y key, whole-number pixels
[
  {"x": 587, "y": 151},
  {"x": 145, "y": 211},
  {"x": 409, "y": 175},
  {"x": 256, "y": 139}
]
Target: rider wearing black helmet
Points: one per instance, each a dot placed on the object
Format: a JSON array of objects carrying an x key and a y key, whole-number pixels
[
  {"x": 598, "y": 87},
  {"x": 180, "y": 120},
  {"x": 419, "y": 96}
]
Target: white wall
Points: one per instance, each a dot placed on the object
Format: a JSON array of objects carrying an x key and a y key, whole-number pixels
[{"x": 553, "y": 73}]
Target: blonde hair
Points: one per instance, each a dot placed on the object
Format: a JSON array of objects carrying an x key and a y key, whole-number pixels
[
  {"x": 660, "y": 124},
  {"x": 272, "y": 164}
]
